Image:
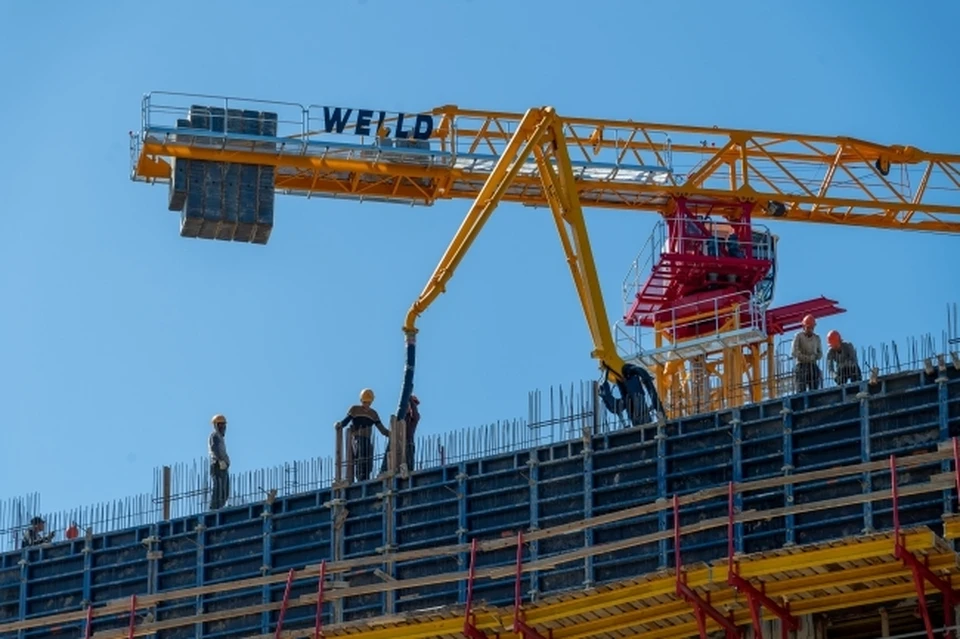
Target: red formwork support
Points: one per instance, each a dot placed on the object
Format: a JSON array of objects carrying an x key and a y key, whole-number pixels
[
  {"x": 469, "y": 620},
  {"x": 756, "y": 598},
  {"x": 701, "y": 607},
  {"x": 283, "y": 606},
  {"x": 318, "y": 622},
  {"x": 88, "y": 631},
  {"x": 919, "y": 569},
  {"x": 133, "y": 616},
  {"x": 520, "y": 626}
]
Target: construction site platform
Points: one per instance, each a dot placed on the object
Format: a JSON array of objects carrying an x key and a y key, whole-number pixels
[{"x": 799, "y": 488}]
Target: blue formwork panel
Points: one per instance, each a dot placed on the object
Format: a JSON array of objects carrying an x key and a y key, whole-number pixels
[
  {"x": 497, "y": 507},
  {"x": 494, "y": 498},
  {"x": 558, "y": 497},
  {"x": 363, "y": 536},
  {"x": 10, "y": 579},
  {"x": 626, "y": 474},
  {"x": 427, "y": 515}
]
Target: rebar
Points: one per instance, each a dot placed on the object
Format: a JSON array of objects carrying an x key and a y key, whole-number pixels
[{"x": 559, "y": 415}]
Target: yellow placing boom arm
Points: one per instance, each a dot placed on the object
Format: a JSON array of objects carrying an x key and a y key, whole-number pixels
[{"x": 540, "y": 133}]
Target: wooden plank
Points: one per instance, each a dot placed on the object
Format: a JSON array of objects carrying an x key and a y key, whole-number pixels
[{"x": 940, "y": 482}]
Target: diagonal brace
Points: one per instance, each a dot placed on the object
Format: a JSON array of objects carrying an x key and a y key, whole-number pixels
[
  {"x": 520, "y": 626},
  {"x": 701, "y": 608},
  {"x": 756, "y": 597},
  {"x": 920, "y": 571},
  {"x": 469, "y": 619}
]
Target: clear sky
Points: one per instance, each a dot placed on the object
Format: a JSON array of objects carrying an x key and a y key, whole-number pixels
[{"x": 119, "y": 339}]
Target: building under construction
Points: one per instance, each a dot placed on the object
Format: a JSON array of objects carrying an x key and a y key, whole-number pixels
[{"x": 703, "y": 494}]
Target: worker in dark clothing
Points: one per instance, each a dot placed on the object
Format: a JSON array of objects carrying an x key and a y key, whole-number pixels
[
  {"x": 842, "y": 359},
  {"x": 807, "y": 352},
  {"x": 34, "y": 536},
  {"x": 635, "y": 388},
  {"x": 413, "y": 418},
  {"x": 360, "y": 419},
  {"x": 219, "y": 463}
]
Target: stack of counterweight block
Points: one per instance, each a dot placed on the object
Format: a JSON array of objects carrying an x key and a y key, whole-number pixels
[{"x": 225, "y": 200}]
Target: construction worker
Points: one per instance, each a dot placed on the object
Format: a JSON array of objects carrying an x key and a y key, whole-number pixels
[
  {"x": 360, "y": 418},
  {"x": 33, "y": 536},
  {"x": 73, "y": 531},
  {"x": 842, "y": 359},
  {"x": 219, "y": 463},
  {"x": 807, "y": 352},
  {"x": 413, "y": 418}
]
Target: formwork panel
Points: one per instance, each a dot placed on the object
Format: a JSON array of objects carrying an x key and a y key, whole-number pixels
[
  {"x": 497, "y": 497},
  {"x": 300, "y": 531},
  {"x": 427, "y": 515},
  {"x": 10, "y": 589},
  {"x": 498, "y": 505},
  {"x": 119, "y": 566}
]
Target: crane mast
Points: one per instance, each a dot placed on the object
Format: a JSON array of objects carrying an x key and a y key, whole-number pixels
[{"x": 702, "y": 287}]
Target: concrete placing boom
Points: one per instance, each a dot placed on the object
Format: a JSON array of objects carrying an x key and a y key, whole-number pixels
[{"x": 705, "y": 286}]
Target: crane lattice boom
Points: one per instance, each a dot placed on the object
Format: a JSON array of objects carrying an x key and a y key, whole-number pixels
[{"x": 706, "y": 289}]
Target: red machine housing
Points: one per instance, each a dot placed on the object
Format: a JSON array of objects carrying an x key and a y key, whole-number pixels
[{"x": 705, "y": 267}]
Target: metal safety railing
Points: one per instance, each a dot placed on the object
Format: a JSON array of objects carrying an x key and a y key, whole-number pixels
[
  {"x": 559, "y": 414},
  {"x": 737, "y": 597}
]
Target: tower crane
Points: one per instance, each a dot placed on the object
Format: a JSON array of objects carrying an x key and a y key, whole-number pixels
[{"x": 705, "y": 282}]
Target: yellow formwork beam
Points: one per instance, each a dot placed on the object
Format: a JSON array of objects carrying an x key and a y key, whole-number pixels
[
  {"x": 951, "y": 527},
  {"x": 711, "y": 577}
]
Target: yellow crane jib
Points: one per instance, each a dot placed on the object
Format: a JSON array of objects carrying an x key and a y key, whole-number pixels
[{"x": 225, "y": 159}]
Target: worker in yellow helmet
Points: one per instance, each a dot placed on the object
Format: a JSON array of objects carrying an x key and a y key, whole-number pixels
[
  {"x": 219, "y": 463},
  {"x": 842, "y": 359},
  {"x": 360, "y": 419},
  {"x": 807, "y": 352}
]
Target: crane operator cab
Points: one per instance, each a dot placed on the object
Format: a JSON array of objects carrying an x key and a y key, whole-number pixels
[
  {"x": 635, "y": 388},
  {"x": 708, "y": 246}
]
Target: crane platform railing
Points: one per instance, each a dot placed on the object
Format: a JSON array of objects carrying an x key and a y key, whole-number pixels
[
  {"x": 696, "y": 328},
  {"x": 306, "y": 137},
  {"x": 620, "y": 163},
  {"x": 879, "y": 558}
]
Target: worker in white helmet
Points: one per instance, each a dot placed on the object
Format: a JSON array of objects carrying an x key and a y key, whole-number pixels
[
  {"x": 219, "y": 463},
  {"x": 361, "y": 418},
  {"x": 807, "y": 352}
]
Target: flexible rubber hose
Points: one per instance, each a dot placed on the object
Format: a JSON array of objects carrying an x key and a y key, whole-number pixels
[{"x": 407, "y": 389}]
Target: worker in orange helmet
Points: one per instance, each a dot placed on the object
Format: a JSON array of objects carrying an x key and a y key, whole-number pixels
[
  {"x": 807, "y": 352},
  {"x": 842, "y": 359},
  {"x": 361, "y": 418},
  {"x": 219, "y": 463}
]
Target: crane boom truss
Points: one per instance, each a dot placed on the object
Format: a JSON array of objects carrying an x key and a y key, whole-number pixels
[{"x": 617, "y": 164}]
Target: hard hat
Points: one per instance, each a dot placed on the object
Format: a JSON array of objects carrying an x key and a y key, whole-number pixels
[
  {"x": 366, "y": 395},
  {"x": 809, "y": 321},
  {"x": 413, "y": 398},
  {"x": 833, "y": 339},
  {"x": 218, "y": 419}
]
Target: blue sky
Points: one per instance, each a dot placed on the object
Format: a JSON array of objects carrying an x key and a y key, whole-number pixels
[{"x": 119, "y": 339}]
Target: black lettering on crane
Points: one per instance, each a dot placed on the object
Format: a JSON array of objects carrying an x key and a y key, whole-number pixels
[
  {"x": 338, "y": 119},
  {"x": 423, "y": 127},
  {"x": 400, "y": 134},
  {"x": 364, "y": 116}
]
